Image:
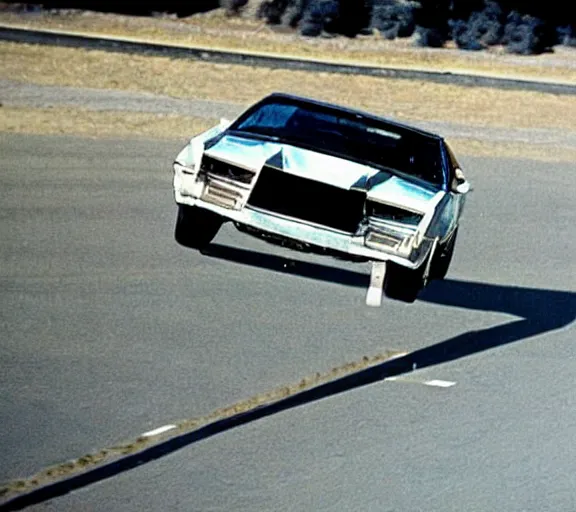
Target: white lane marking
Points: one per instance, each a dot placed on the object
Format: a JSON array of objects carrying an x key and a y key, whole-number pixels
[
  {"x": 374, "y": 294},
  {"x": 432, "y": 383},
  {"x": 159, "y": 430},
  {"x": 439, "y": 383}
]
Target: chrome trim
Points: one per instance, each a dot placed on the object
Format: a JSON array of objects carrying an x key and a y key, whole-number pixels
[
  {"x": 228, "y": 181},
  {"x": 220, "y": 193},
  {"x": 379, "y": 224},
  {"x": 299, "y": 221},
  {"x": 315, "y": 235},
  {"x": 375, "y": 239}
]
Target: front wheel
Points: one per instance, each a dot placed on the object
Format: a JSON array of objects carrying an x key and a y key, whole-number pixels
[
  {"x": 196, "y": 227},
  {"x": 403, "y": 283},
  {"x": 442, "y": 258}
]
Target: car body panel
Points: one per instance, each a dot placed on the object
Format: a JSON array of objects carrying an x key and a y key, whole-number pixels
[
  {"x": 403, "y": 193},
  {"x": 253, "y": 154}
]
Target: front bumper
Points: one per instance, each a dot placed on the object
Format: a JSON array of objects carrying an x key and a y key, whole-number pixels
[{"x": 313, "y": 234}]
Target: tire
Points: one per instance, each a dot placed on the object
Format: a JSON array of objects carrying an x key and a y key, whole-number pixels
[
  {"x": 196, "y": 227},
  {"x": 403, "y": 283},
  {"x": 442, "y": 258}
]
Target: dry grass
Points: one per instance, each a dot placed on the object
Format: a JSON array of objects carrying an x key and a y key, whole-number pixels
[
  {"x": 215, "y": 30},
  {"x": 409, "y": 100},
  {"x": 66, "y": 121}
]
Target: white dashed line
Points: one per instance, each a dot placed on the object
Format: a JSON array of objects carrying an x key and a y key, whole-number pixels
[
  {"x": 159, "y": 430},
  {"x": 432, "y": 383},
  {"x": 439, "y": 383}
]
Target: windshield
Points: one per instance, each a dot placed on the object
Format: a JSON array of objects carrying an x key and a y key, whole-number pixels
[{"x": 347, "y": 135}]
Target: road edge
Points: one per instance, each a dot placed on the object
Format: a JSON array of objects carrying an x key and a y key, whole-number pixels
[{"x": 61, "y": 479}]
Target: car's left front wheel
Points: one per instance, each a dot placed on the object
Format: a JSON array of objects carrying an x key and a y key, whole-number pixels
[{"x": 196, "y": 227}]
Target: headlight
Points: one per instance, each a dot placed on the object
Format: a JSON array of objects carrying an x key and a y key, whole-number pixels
[
  {"x": 222, "y": 169},
  {"x": 391, "y": 229},
  {"x": 392, "y": 213},
  {"x": 394, "y": 242}
]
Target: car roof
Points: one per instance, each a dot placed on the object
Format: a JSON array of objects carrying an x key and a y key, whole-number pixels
[{"x": 333, "y": 106}]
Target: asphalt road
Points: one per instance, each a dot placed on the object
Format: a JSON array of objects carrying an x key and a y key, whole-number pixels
[{"x": 110, "y": 329}]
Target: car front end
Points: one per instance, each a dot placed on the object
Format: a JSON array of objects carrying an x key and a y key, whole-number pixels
[{"x": 312, "y": 199}]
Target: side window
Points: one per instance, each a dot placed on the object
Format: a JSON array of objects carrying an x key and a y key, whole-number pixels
[{"x": 424, "y": 160}]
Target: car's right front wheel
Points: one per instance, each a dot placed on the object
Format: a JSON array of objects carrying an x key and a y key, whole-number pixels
[
  {"x": 196, "y": 227},
  {"x": 403, "y": 283},
  {"x": 443, "y": 257}
]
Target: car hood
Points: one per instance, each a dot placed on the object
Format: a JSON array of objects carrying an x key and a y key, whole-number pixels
[{"x": 339, "y": 172}]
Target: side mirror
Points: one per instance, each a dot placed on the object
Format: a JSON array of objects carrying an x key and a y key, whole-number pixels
[
  {"x": 462, "y": 188},
  {"x": 460, "y": 185}
]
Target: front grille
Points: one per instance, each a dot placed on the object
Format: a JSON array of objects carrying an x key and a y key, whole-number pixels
[
  {"x": 212, "y": 166},
  {"x": 308, "y": 200}
]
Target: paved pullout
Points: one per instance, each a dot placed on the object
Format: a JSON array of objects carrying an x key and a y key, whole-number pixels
[{"x": 110, "y": 329}]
